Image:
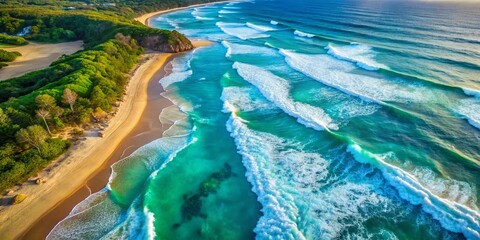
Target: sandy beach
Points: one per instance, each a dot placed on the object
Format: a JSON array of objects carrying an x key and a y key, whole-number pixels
[{"x": 36, "y": 56}]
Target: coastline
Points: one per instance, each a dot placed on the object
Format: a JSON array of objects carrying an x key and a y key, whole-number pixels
[
  {"x": 71, "y": 171},
  {"x": 145, "y": 19},
  {"x": 85, "y": 167},
  {"x": 141, "y": 127}
]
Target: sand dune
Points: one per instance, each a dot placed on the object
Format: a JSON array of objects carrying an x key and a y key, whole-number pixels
[{"x": 36, "y": 56}]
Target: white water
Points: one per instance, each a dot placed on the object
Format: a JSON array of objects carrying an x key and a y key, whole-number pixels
[
  {"x": 469, "y": 109},
  {"x": 338, "y": 74},
  {"x": 246, "y": 99},
  {"x": 300, "y": 199},
  {"x": 362, "y": 55},
  {"x": 265, "y": 81},
  {"x": 240, "y": 31},
  {"x": 181, "y": 70},
  {"x": 261, "y": 28},
  {"x": 241, "y": 49},
  {"x": 453, "y": 216},
  {"x": 303, "y": 34}
]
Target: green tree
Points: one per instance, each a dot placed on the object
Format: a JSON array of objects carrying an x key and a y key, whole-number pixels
[
  {"x": 46, "y": 101},
  {"x": 4, "y": 119},
  {"x": 33, "y": 135},
  {"x": 99, "y": 99}
]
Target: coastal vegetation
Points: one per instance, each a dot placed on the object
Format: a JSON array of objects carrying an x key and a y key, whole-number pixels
[
  {"x": 6, "y": 56},
  {"x": 40, "y": 107},
  {"x": 11, "y": 40},
  {"x": 126, "y": 8}
]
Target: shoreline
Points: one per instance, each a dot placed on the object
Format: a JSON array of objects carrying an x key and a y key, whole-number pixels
[
  {"x": 73, "y": 170},
  {"x": 145, "y": 18}
]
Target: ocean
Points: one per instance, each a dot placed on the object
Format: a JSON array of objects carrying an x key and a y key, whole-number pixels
[{"x": 320, "y": 119}]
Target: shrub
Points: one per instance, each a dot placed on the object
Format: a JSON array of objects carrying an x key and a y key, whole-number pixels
[
  {"x": 19, "y": 198},
  {"x": 6, "y": 56},
  {"x": 12, "y": 40}
]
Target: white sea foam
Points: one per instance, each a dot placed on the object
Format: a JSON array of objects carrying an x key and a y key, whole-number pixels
[
  {"x": 150, "y": 220},
  {"x": 227, "y": 12},
  {"x": 173, "y": 24},
  {"x": 175, "y": 77},
  {"x": 362, "y": 55},
  {"x": 204, "y": 18},
  {"x": 261, "y": 28},
  {"x": 265, "y": 81},
  {"x": 452, "y": 215},
  {"x": 469, "y": 109},
  {"x": 169, "y": 21},
  {"x": 200, "y": 15},
  {"x": 338, "y": 74},
  {"x": 195, "y": 12},
  {"x": 245, "y": 99},
  {"x": 240, "y": 31},
  {"x": 91, "y": 223},
  {"x": 181, "y": 71},
  {"x": 454, "y": 190},
  {"x": 240, "y": 49},
  {"x": 274, "y": 22},
  {"x": 178, "y": 121},
  {"x": 231, "y": 7},
  {"x": 303, "y": 34},
  {"x": 341, "y": 107}
]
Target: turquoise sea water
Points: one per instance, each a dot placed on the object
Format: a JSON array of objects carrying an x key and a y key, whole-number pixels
[{"x": 329, "y": 119}]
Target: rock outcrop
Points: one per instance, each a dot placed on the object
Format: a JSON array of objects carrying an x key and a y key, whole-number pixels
[{"x": 172, "y": 43}]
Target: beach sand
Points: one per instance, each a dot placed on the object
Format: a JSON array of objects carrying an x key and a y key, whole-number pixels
[{"x": 36, "y": 56}]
